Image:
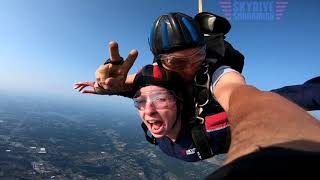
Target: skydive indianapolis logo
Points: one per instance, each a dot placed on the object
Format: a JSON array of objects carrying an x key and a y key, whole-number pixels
[{"x": 253, "y": 10}]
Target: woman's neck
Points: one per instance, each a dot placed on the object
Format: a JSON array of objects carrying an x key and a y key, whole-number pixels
[{"x": 175, "y": 131}]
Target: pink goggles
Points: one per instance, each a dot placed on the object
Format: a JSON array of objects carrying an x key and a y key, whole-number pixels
[{"x": 159, "y": 100}]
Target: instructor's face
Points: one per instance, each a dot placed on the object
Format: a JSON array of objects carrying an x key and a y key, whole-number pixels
[
  {"x": 185, "y": 62},
  {"x": 157, "y": 109}
]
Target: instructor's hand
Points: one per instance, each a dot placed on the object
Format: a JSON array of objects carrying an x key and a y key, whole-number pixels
[{"x": 112, "y": 76}]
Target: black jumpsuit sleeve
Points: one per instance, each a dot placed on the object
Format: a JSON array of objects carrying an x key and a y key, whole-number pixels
[{"x": 306, "y": 95}]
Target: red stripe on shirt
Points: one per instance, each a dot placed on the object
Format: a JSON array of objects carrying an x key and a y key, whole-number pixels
[{"x": 216, "y": 121}]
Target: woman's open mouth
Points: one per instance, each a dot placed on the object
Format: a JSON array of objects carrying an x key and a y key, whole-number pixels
[{"x": 156, "y": 126}]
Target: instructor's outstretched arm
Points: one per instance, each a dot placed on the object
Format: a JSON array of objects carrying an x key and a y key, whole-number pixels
[{"x": 261, "y": 119}]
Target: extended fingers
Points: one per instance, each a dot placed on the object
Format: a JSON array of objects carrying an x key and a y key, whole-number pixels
[
  {"x": 86, "y": 83},
  {"x": 77, "y": 85},
  {"x": 130, "y": 59},
  {"x": 114, "y": 51},
  {"x": 81, "y": 85},
  {"x": 115, "y": 56},
  {"x": 81, "y": 88}
]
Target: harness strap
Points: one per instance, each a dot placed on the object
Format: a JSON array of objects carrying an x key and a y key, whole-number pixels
[
  {"x": 196, "y": 125},
  {"x": 204, "y": 103},
  {"x": 201, "y": 141},
  {"x": 150, "y": 139}
]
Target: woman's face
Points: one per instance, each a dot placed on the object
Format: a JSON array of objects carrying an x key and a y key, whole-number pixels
[{"x": 157, "y": 109}]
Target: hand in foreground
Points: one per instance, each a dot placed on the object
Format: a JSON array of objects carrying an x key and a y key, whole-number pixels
[
  {"x": 81, "y": 85},
  {"x": 111, "y": 77}
]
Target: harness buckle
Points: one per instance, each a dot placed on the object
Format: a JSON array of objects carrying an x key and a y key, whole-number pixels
[
  {"x": 202, "y": 83},
  {"x": 199, "y": 120}
]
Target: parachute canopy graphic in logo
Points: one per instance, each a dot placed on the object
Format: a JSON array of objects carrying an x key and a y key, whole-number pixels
[{"x": 253, "y": 10}]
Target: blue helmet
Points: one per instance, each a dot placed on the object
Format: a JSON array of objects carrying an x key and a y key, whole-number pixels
[{"x": 174, "y": 31}]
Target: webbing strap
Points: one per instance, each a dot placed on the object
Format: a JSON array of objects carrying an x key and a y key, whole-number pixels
[
  {"x": 201, "y": 141},
  {"x": 196, "y": 125},
  {"x": 150, "y": 139}
]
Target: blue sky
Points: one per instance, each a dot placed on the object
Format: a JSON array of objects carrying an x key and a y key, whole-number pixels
[{"x": 47, "y": 45}]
